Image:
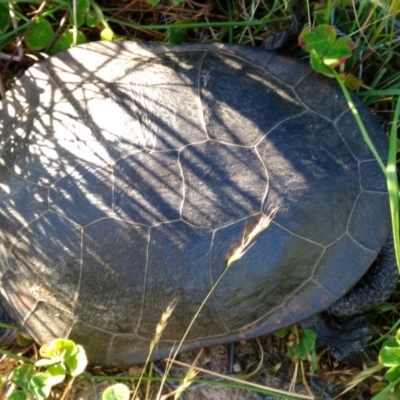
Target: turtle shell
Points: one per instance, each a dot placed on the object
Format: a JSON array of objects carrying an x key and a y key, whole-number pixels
[{"x": 129, "y": 174}]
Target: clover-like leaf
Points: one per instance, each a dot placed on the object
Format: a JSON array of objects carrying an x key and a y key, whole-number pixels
[
  {"x": 107, "y": 34},
  {"x": 339, "y": 52},
  {"x": 39, "y": 386},
  {"x": 318, "y": 64},
  {"x": 76, "y": 360},
  {"x": 389, "y": 356},
  {"x": 118, "y": 391},
  {"x": 22, "y": 375},
  {"x": 65, "y": 41},
  {"x": 56, "y": 374},
  {"x": 176, "y": 35},
  {"x": 305, "y": 349},
  {"x": 23, "y": 339},
  {"x": 39, "y": 35},
  {"x": 57, "y": 348},
  {"x": 319, "y": 39},
  {"x": 92, "y": 20},
  {"x": 19, "y": 395},
  {"x": 82, "y": 8},
  {"x": 393, "y": 374}
]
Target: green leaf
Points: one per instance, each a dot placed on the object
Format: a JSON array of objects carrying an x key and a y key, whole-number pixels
[
  {"x": 17, "y": 396},
  {"x": 282, "y": 333},
  {"x": 107, "y": 34},
  {"x": 309, "y": 338},
  {"x": 339, "y": 53},
  {"x": 319, "y": 15},
  {"x": 64, "y": 351},
  {"x": 176, "y": 35},
  {"x": 389, "y": 356},
  {"x": 392, "y": 374},
  {"x": 352, "y": 82},
  {"x": 390, "y": 343},
  {"x": 22, "y": 375},
  {"x": 76, "y": 361},
  {"x": 65, "y": 41},
  {"x": 57, "y": 348},
  {"x": 318, "y": 64},
  {"x": 153, "y": 2},
  {"x": 23, "y": 339},
  {"x": 92, "y": 20},
  {"x": 48, "y": 362},
  {"x": 319, "y": 39},
  {"x": 39, "y": 386},
  {"x": 82, "y": 8},
  {"x": 56, "y": 374},
  {"x": 305, "y": 349},
  {"x": 83, "y": 5},
  {"x": 118, "y": 391},
  {"x": 39, "y": 35}
]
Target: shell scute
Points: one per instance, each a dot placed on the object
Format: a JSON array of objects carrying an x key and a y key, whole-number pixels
[
  {"x": 114, "y": 257},
  {"x": 222, "y": 183},
  {"x": 309, "y": 166},
  {"x": 148, "y": 187}
]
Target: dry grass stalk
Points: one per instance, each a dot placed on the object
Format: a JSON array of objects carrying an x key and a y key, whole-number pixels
[{"x": 249, "y": 236}]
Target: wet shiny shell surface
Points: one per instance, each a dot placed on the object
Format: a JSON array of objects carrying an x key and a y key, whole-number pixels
[{"x": 130, "y": 173}]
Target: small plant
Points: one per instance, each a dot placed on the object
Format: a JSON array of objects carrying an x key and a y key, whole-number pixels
[
  {"x": 61, "y": 357},
  {"x": 119, "y": 391},
  {"x": 327, "y": 51},
  {"x": 389, "y": 357},
  {"x": 304, "y": 350}
]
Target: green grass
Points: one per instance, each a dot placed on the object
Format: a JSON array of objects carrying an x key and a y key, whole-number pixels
[{"x": 372, "y": 26}]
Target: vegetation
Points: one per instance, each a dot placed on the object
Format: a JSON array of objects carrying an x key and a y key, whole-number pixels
[{"x": 355, "y": 42}]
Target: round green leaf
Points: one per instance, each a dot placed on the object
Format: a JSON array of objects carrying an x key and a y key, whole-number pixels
[
  {"x": 39, "y": 35},
  {"x": 92, "y": 20},
  {"x": 319, "y": 15},
  {"x": 107, "y": 34},
  {"x": 390, "y": 356},
  {"x": 23, "y": 339},
  {"x": 65, "y": 41},
  {"x": 77, "y": 361},
  {"x": 39, "y": 386},
  {"x": 319, "y": 39},
  {"x": 393, "y": 374},
  {"x": 339, "y": 52},
  {"x": 57, "y": 348},
  {"x": 82, "y": 8},
  {"x": 56, "y": 374},
  {"x": 118, "y": 391},
  {"x": 18, "y": 396},
  {"x": 176, "y": 35},
  {"x": 22, "y": 375},
  {"x": 318, "y": 64}
]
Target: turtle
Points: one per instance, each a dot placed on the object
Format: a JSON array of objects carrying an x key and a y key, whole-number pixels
[{"x": 131, "y": 174}]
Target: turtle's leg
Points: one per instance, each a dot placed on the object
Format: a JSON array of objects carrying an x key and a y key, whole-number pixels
[
  {"x": 342, "y": 329},
  {"x": 7, "y": 336}
]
